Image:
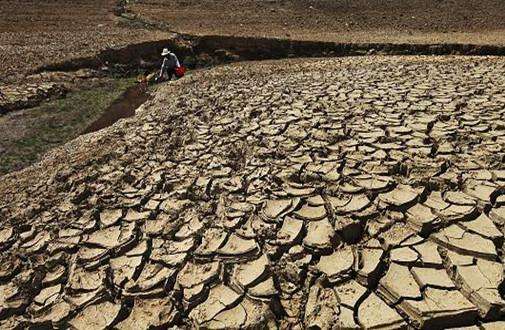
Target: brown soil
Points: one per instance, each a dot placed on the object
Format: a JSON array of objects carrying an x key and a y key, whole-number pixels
[
  {"x": 419, "y": 21},
  {"x": 361, "y": 192},
  {"x": 33, "y": 33},
  {"x": 354, "y": 193},
  {"x": 122, "y": 107}
]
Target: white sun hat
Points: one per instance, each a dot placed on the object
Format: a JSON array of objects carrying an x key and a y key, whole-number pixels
[{"x": 165, "y": 52}]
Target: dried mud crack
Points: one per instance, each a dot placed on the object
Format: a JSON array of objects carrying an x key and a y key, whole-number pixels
[{"x": 365, "y": 192}]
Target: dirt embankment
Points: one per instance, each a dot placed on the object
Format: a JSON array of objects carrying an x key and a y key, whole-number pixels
[{"x": 204, "y": 51}]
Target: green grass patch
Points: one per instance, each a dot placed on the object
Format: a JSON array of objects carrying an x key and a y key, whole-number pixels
[{"x": 32, "y": 132}]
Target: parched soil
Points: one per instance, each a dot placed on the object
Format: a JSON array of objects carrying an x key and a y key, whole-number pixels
[
  {"x": 399, "y": 21},
  {"x": 355, "y": 193},
  {"x": 361, "y": 192}
]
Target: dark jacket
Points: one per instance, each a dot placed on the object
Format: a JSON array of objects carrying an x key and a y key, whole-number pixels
[{"x": 170, "y": 62}]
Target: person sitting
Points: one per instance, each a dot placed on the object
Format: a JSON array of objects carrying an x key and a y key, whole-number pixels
[{"x": 170, "y": 63}]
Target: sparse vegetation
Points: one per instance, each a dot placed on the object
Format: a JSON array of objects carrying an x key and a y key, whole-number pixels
[{"x": 30, "y": 133}]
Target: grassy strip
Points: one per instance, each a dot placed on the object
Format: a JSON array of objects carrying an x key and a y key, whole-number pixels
[{"x": 33, "y": 132}]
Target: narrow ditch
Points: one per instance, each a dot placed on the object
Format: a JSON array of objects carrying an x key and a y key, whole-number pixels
[
  {"x": 124, "y": 106},
  {"x": 202, "y": 51}
]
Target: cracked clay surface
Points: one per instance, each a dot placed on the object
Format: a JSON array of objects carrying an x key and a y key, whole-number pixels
[{"x": 345, "y": 193}]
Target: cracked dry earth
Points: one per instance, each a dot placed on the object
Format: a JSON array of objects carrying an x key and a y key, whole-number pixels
[{"x": 345, "y": 193}]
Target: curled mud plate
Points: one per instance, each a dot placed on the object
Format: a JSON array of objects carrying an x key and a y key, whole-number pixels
[{"x": 358, "y": 192}]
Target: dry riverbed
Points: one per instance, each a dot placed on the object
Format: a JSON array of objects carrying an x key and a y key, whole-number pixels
[{"x": 363, "y": 192}]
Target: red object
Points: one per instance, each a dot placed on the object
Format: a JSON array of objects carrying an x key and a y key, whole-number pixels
[{"x": 180, "y": 71}]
